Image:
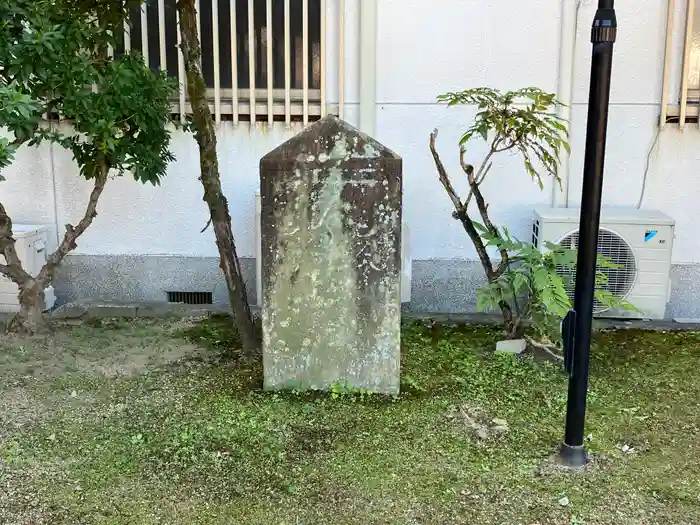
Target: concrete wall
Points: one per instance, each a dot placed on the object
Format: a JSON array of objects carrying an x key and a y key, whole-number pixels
[{"x": 425, "y": 48}]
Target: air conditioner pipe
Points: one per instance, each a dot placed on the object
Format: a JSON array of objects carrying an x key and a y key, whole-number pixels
[{"x": 565, "y": 89}]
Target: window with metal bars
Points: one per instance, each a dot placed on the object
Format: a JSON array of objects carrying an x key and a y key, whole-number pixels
[
  {"x": 235, "y": 63},
  {"x": 681, "y": 81}
]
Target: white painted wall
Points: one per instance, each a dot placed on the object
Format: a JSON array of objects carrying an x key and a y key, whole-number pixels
[
  {"x": 27, "y": 192},
  {"x": 472, "y": 43},
  {"x": 167, "y": 220},
  {"x": 425, "y": 48}
]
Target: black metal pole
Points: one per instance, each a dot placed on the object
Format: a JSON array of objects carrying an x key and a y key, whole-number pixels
[{"x": 603, "y": 35}]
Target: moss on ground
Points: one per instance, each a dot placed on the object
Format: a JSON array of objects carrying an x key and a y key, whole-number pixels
[{"x": 150, "y": 422}]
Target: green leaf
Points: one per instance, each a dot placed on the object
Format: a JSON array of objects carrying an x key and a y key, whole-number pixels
[
  {"x": 480, "y": 228},
  {"x": 482, "y": 302},
  {"x": 519, "y": 281}
]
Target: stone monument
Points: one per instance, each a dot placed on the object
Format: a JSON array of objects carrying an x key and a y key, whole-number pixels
[{"x": 331, "y": 256}]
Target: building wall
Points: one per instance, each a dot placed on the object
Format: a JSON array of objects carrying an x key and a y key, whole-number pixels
[
  {"x": 424, "y": 48},
  {"x": 512, "y": 47}
]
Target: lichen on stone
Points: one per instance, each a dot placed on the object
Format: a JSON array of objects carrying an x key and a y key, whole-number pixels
[{"x": 324, "y": 320}]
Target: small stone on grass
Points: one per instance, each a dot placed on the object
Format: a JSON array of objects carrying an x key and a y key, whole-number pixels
[{"x": 511, "y": 346}]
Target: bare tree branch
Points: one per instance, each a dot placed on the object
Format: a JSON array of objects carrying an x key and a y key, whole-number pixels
[
  {"x": 13, "y": 268},
  {"x": 467, "y": 168},
  {"x": 486, "y": 172},
  {"x": 442, "y": 174},
  {"x": 72, "y": 233},
  {"x": 475, "y": 191},
  {"x": 462, "y": 214},
  {"x": 461, "y": 210},
  {"x": 547, "y": 349},
  {"x": 487, "y": 159},
  {"x": 484, "y": 212},
  {"x": 469, "y": 171}
]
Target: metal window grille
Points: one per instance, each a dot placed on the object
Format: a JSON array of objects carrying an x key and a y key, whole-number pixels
[
  {"x": 262, "y": 60},
  {"x": 681, "y": 74}
]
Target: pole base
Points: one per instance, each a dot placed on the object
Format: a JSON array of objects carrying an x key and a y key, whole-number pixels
[{"x": 573, "y": 457}]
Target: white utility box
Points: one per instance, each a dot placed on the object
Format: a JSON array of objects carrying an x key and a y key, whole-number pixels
[
  {"x": 31, "y": 246},
  {"x": 640, "y": 242}
]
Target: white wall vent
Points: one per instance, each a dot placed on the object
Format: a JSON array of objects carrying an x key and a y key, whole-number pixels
[
  {"x": 406, "y": 270},
  {"x": 639, "y": 241},
  {"x": 31, "y": 246}
]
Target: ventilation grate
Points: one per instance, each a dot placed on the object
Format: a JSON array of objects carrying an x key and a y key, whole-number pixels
[
  {"x": 536, "y": 234},
  {"x": 614, "y": 247},
  {"x": 190, "y": 297}
]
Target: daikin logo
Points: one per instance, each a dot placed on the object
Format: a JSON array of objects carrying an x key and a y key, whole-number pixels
[{"x": 650, "y": 234}]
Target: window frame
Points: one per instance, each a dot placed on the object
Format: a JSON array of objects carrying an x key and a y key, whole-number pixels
[{"x": 273, "y": 99}]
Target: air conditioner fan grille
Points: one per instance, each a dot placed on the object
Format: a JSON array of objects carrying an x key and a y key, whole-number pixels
[{"x": 614, "y": 247}]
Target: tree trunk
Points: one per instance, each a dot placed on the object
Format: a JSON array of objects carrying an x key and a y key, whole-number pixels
[
  {"x": 211, "y": 181},
  {"x": 513, "y": 327},
  {"x": 30, "y": 318}
]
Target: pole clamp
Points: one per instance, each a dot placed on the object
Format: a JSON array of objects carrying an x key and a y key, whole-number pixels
[
  {"x": 604, "y": 26},
  {"x": 568, "y": 334}
]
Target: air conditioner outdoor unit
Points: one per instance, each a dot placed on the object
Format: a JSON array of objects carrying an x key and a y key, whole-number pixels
[
  {"x": 639, "y": 241},
  {"x": 31, "y": 245},
  {"x": 406, "y": 274}
]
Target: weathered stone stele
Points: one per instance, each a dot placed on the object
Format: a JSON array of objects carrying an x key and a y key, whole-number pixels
[{"x": 331, "y": 233}]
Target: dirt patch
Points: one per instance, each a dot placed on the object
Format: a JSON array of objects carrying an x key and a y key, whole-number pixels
[
  {"x": 476, "y": 421},
  {"x": 132, "y": 360},
  {"x": 18, "y": 407},
  {"x": 554, "y": 466},
  {"x": 43, "y": 377},
  {"x": 111, "y": 349}
]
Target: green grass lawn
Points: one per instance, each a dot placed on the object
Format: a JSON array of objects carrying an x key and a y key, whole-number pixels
[{"x": 159, "y": 422}]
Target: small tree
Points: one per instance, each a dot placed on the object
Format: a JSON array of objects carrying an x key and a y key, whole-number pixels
[
  {"x": 54, "y": 61},
  {"x": 524, "y": 283},
  {"x": 535, "y": 287},
  {"x": 205, "y": 135}
]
